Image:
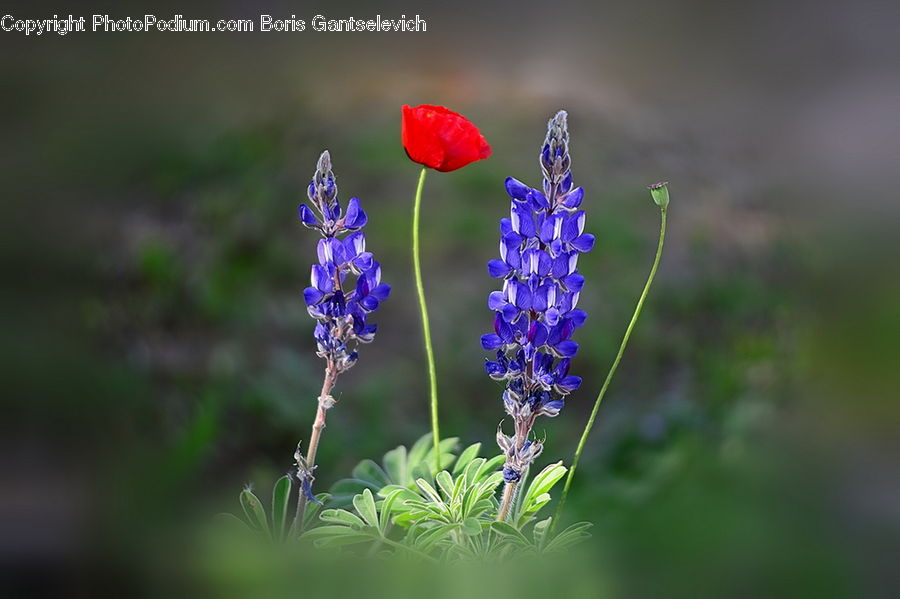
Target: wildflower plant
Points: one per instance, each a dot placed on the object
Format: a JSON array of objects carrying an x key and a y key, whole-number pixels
[
  {"x": 429, "y": 503},
  {"x": 345, "y": 289},
  {"x": 535, "y": 312},
  {"x": 443, "y": 140}
]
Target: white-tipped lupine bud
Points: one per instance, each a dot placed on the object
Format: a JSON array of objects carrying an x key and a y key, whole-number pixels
[
  {"x": 660, "y": 193},
  {"x": 503, "y": 441}
]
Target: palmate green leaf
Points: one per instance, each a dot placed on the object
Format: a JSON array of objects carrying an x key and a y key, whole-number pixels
[
  {"x": 419, "y": 449},
  {"x": 471, "y": 527},
  {"x": 463, "y": 551},
  {"x": 544, "y": 480},
  {"x": 467, "y": 455},
  {"x": 537, "y": 494},
  {"x": 343, "y": 518},
  {"x": 312, "y": 509},
  {"x": 430, "y": 537},
  {"x": 474, "y": 470},
  {"x": 343, "y": 491},
  {"x": 253, "y": 510},
  {"x": 417, "y": 516},
  {"x": 482, "y": 506},
  {"x": 422, "y": 453},
  {"x": 387, "y": 507},
  {"x": 570, "y": 536},
  {"x": 540, "y": 532},
  {"x": 281, "y": 525},
  {"x": 470, "y": 500},
  {"x": 495, "y": 463},
  {"x": 396, "y": 465},
  {"x": 418, "y": 507},
  {"x": 447, "y": 458},
  {"x": 479, "y": 469},
  {"x": 537, "y": 503},
  {"x": 404, "y": 493},
  {"x": 399, "y": 467},
  {"x": 445, "y": 483},
  {"x": 281, "y": 496},
  {"x": 336, "y": 535},
  {"x": 430, "y": 492},
  {"x": 459, "y": 487},
  {"x": 488, "y": 486},
  {"x": 330, "y": 530},
  {"x": 371, "y": 472},
  {"x": 510, "y": 532},
  {"x": 365, "y": 507}
]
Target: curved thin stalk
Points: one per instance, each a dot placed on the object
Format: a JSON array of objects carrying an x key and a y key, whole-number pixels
[
  {"x": 612, "y": 369},
  {"x": 426, "y": 327}
]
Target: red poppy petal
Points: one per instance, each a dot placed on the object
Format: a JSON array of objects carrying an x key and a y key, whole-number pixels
[
  {"x": 439, "y": 138},
  {"x": 421, "y": 143}
]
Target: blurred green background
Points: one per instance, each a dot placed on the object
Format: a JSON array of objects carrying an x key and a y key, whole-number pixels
[{"x": 156, "y": 353}]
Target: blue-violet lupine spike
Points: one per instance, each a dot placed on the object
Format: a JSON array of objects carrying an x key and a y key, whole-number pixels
[
  {"x": 345, "y": 283},
  {"x": 341, "y": 308},
  {"x": 535, "y": 311}
]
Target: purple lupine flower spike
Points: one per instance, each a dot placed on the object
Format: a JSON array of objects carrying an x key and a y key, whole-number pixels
[
  {"x": 341, "y": 308},
  {"x": 345, "y": 289},
  {"x": 535, "y": 310}
]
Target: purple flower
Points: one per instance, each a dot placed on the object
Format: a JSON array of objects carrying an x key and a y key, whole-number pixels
[
  {"x": 535, "y": 313},
  {"x": 345, "y": 284}
]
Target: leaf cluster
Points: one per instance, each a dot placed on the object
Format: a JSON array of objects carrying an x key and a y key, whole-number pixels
[{"x": 398, "y": 508}]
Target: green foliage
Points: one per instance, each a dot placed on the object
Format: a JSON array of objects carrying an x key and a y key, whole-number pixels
[
  {"x": 538, "y": 493},
  {"x": 400, "y": 508},
  {"x": 448, "y": 517},
  {"x": 278, "y": 527},
  {"x": 404, "y": 467}
]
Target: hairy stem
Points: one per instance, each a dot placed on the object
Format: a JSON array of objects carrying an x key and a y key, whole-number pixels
[
  {"x": 509, "y": 494},
  {"x": 318, "y": 426},
  {"x": 612, "y": 369},
  {"x": 426, "y": 327}
]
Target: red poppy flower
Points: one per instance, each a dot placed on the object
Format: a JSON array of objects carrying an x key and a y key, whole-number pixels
[{"x": 439, "y": 138}]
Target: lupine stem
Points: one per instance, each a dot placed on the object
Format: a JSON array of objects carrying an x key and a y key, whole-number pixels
[
  {"x": 426, "y": 327},
  {"x": 612, "y": 369},
  {"x": 511, "y": 489},
  {"x": 509, "y": 493},
  {"x": 314, "y": 437}
]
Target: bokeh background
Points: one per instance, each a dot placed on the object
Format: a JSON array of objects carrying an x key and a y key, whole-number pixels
[{"x": 156, "y": 354}]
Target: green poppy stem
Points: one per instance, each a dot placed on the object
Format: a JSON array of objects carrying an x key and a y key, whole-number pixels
[
  {"x": 612, "y": 369},
  {"x": 426, "y": 327}
]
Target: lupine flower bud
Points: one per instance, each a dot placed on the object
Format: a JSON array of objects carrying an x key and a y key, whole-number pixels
[
  {"x": 535, "y": 311},
  {"x": 660, "y": 193},
  {"x": 340, "y": 303}
]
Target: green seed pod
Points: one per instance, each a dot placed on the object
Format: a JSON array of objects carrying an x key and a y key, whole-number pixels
[{"x": 660, "y": 193}]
